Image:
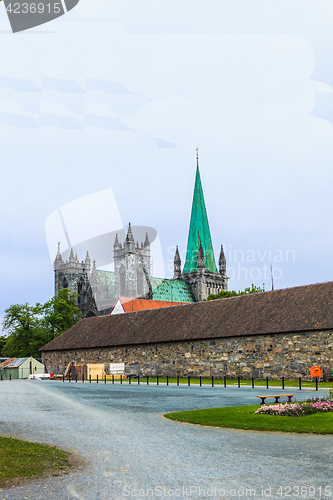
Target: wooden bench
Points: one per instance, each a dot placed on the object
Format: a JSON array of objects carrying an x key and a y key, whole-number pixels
[{"x": 289, "y": 396}]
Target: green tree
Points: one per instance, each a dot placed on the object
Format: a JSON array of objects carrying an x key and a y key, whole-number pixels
[
  {"x": 225, "y": 294},
  {"x": 61, "y": 312},
  {"x": 3, "y": 340},
  {"x": 28, "y": 328},
  {"x": 25, "y": 330},
  {"x": 253, "y": 289}
]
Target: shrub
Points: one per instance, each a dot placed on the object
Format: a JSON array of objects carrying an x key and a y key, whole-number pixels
[{"x": 297, "y": 409}]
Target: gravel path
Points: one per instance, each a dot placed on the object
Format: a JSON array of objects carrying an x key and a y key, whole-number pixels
[{"x": 130, "y": 448}]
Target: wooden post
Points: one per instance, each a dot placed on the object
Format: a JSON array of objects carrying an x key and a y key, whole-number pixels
[
  {"x": 97, "y": 378},
  {"x": 267, "y": 382},
  {"x": 212, "y": 380},
  {"x": 282, "y": 382},
  {"x": 238, "y": 381},
  {"x": 225, "y": 381},
  {"x": 177, "y": 379},
  {"x": 252, "y": 383},
  {"x": 188, "y": 380},
  {"x": 200, "y": 381},
  {"x": 300, "y": 383}
]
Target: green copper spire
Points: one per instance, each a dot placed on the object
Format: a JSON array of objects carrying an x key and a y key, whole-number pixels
[{"x": 199, "y": 232}]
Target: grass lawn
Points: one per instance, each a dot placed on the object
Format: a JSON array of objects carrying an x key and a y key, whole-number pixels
[
  {"x": 242, "y": 417},
  {"x": 21, "y": 459}
]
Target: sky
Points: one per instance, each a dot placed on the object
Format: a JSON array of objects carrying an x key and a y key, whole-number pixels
[{"x": 101, "y": 112}]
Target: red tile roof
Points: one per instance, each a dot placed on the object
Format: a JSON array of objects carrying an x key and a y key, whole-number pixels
[
  {"x": 132, "y": 305},
  {"x": 304, "y": 308}
]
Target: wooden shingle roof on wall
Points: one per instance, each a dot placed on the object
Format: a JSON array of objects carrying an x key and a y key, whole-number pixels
[{"x": 304, "y": 308}]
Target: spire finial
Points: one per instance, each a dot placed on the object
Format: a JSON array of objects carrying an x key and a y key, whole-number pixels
[
  {"x": 59, "y": 247},
  {"x": 197, "y": 150}
]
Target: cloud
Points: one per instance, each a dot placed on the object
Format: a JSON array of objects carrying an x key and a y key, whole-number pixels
[
  {"x": 71, "y": 101},
  {"x": 19, "y": 121},
  {"x": 19, "y": 84},
  {"x": 106, "y": 122},
  {"x": 69, "y": 86},
  {"x": 163, "y": 144},
  {"x": 121, "y": 104},
  {"x": 64, "y": 122},
  {"x": 323, "y": 106},
  {"x": 107, "y": 86}
]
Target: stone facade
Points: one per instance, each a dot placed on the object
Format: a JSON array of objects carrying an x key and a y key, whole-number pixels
[
  {"x": 274, "y": 356},
  {"x": 132, "y": 273},
  {"x": 202, "y": 282},
  {"x": 75, "y": 275},
  {"x": 132, "y": 269}
]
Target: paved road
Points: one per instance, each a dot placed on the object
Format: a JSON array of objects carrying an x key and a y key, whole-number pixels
[{"x": 130, "y": 448}]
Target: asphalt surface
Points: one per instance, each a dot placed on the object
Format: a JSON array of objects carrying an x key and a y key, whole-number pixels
[{"x": 132, "y": 452}]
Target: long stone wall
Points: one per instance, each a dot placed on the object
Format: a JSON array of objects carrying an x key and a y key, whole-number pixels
[{"x": 289, "y": 355}]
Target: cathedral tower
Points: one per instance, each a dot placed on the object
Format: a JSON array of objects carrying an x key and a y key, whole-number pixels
[
  {"x": 131, "y": 266},
  {"x": 74, "y": 275},
  {"x": 200, "y": 270}
]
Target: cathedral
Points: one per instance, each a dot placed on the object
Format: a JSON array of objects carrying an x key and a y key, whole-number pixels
[{"x": 133, "y": 276}]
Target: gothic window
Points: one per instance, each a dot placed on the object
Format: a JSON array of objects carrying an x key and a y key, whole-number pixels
[
  {"x": 122, "y": 280},
  {"x": 80, "y": 291},
  {"x": 140, "y": 283},
  {"x": 64, "y": 283}
]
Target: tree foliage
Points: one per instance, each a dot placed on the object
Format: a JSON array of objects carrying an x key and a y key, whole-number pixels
[
  {"x": 61, "y": 312},
  {"x": 28, "y": 328},
  {"x": 225, "y": 294}
]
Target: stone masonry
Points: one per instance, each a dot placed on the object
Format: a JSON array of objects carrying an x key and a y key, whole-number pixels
[{"x": 274, "y": 356}]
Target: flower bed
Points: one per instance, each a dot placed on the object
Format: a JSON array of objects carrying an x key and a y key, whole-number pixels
[{"x": 297, "y": 409}]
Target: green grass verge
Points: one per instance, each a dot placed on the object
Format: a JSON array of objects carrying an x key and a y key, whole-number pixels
[
  {"x": 21, "y": 459},
  {"x": 242, "y": 417}
]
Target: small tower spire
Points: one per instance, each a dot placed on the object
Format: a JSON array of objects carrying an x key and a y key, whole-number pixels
[
  {"x": 116, "y": 242},
  {"x": 197, "y": 150},
  {"x": 129, "y": 237},
  {"x": 177, "y": 265},
  {"x": 58, "y": 260},
  {"x": 87, "y": 263},
  {"x": 130, "y": 243},
  {"x": 201, "y": 257},
  {"x": 71, "y": 257},
  {"x": 222, "y": 262},
  {"x": 147, "y": 242}
]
